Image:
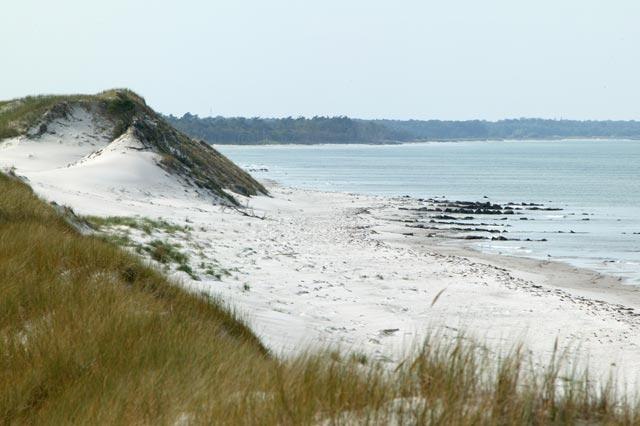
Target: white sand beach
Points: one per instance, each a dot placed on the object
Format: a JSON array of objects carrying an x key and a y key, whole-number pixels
[{"x": 311, "y": 269}]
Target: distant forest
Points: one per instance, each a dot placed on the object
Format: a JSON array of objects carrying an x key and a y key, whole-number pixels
[{"x": 238, "y": 130}]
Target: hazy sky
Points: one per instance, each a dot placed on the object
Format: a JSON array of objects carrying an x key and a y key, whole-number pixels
[{"x": 370, "y": 59}]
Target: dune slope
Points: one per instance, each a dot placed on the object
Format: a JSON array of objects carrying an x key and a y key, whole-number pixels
[{"x": 115, "y": 139}]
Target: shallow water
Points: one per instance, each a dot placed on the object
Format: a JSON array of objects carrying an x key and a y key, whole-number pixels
[{"x": 588, "y": 179}]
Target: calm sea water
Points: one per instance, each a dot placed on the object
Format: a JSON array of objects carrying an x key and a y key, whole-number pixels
[{"x": 594, "y": 180}]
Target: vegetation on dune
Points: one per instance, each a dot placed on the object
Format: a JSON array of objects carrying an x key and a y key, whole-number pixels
[
  {"x": 19, "y": 115},
  {"x": 200, "y": 163},
  {"x": 90, "y": 335},
  {"x": 70, "y": 304},
  {"x": 194, "y": 161},
  {"x": 116, "y": 229},
  {"x": 158, "y": 232},
  {"x": 145, "y": 224}
]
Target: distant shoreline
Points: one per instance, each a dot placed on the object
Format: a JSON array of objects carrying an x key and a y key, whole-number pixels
[
  {"x": 396, "y": 143},
  {"x": 344, "y": 130}
]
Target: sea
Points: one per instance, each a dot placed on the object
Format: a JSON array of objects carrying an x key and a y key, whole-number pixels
[{"x": 596, "y": 183}]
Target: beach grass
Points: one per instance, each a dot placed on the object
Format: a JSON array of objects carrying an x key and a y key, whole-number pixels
[
  {"x": 147, "y": 225},
  {"x": 18, "y": 115},
  {"x": 90, "y": 334}
]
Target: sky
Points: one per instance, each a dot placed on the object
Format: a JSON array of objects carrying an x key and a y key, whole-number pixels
[{"x": 456, "y": 59}]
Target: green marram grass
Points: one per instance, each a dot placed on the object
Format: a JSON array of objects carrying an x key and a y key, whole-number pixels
[
  {"x": 147, "y": 225},
  {"x": 90, "y": 334},
  {"x": 116, "y": 229},
  {"x": 18, "y": 115}
]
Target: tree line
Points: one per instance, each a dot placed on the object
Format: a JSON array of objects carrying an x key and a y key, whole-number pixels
[{"x": 337, "y": 130}]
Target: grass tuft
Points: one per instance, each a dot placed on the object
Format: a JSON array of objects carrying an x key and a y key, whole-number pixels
[{"x": 147, "y": 225}]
